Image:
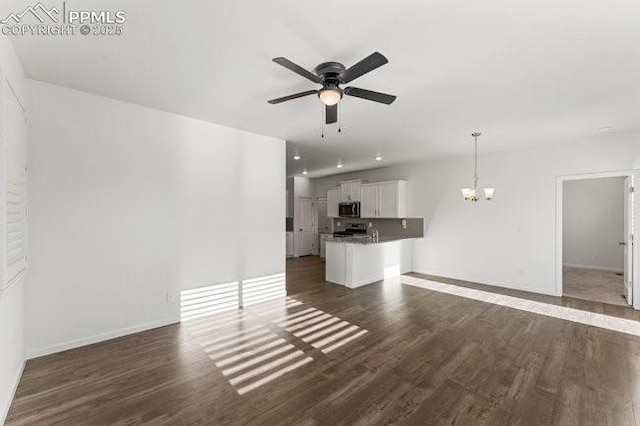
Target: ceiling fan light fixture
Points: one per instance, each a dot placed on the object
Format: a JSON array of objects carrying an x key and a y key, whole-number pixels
[
  {"x": 330, "y": 96},
  {"x": 331, "y": 75}
]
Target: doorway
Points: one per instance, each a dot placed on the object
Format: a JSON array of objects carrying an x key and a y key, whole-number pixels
[
  {"x": 304, "y": 224},
  {"x": 597, "y": 239}
]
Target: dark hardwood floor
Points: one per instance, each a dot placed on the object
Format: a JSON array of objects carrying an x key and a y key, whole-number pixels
[{"x": 386, "y": 353}]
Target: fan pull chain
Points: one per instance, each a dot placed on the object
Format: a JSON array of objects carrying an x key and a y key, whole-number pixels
[
  {"x": 339, "y": 117},
  {"x": 322, "y": 119}
]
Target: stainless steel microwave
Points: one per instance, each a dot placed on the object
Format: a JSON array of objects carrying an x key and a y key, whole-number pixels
[{"x": 351, "y": 209}]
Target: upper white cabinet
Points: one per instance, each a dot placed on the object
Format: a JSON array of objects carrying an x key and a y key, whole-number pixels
[
  {"x": 384, "y": 200},
  {"x": 369, "y": 201},
  {"x": 391, "y": 199},
  {"x": 333, "y": 199},
  {"x": 350, "y": 191}
]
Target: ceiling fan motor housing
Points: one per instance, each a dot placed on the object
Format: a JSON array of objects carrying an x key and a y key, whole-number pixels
[{"x": 330, "y": 72}]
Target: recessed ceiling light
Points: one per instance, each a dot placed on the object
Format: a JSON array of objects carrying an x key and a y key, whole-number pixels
[
  {"x": 378, "y": 157},
  {"x": 339, "y": 165},
  {"x": 304, "y": 172},
  {"x": 296, "y": 157},
  {"x": 605, "y": 128}
]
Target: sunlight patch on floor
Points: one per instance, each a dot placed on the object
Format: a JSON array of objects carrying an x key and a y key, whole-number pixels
[
  {"x": 257, "y": 345},
  {"x": 561, "y": 312}
]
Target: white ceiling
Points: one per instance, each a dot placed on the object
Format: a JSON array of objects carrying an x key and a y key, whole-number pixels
[{"x": 522, "y": 72}]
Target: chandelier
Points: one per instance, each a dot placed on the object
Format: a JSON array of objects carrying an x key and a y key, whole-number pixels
[{"x": 472, "y": 194}]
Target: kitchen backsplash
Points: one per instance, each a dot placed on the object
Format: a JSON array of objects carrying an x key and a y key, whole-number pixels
[{"x": 387, "y": 227}]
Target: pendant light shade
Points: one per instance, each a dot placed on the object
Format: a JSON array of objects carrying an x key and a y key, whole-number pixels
[
  {"x": 488, "y": 193},
  {"x": 469, "y": 194}
]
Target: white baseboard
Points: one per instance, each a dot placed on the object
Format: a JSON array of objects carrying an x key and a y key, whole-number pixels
[
  {"x": 5, "y": 410},
  {"x": 593, "y": 268},
  {"x": 551, "y": 292},
  {"x": 35, "y": 353}
]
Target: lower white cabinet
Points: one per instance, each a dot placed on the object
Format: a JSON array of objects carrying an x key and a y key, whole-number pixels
[
  {"x": 384, "y": 200},
  {"x": 354, "y": 265}
]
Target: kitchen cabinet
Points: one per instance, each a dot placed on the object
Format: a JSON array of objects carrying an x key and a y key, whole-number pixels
[
  {"x": 350, "y": 191},
  {"x": 384, "y": 200},
  {"x": 369, "y": 201},
  {"x": 355, "y": 264},
  {"x": 333, "y": 199}
]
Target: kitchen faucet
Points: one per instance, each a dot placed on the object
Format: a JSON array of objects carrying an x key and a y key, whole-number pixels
[{"x": 374, "y": 234}]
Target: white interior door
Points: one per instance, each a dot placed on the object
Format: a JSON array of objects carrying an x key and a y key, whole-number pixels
[
  {"x": 325, "y": 223},
  {"x": 305, "y": 226},
  {"x": 629, "y": 240}
]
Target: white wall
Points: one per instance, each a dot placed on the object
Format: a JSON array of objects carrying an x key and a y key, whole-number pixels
[
  {"x": 12, "y": 332},
  {"x": 510, "y": 241},
  {"x": 129, "y": 204},
  {"x": 593, "y": 215}
]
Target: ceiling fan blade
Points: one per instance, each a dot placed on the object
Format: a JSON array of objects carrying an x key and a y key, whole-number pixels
[
  {"x": 331, "y": 113},
  {"x": 294, "y": 96},
  {"x": 297, "y": 69},
  {"x": 369, "y": 95},
  {"x": 366, "y": 65}
]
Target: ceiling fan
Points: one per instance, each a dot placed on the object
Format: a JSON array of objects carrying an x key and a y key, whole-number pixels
[{"x": 331, "y": 75}]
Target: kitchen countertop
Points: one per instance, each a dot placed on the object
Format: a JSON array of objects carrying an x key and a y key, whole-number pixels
[{"x": 365, "y": 240}]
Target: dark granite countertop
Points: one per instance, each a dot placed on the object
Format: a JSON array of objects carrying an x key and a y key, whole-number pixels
[{"x": 366, "y": 240}]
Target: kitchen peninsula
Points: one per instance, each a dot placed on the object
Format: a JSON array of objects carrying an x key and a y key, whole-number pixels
[
  {"x": 373, "y": 237},
  {"x": 354, "y": 263}
]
